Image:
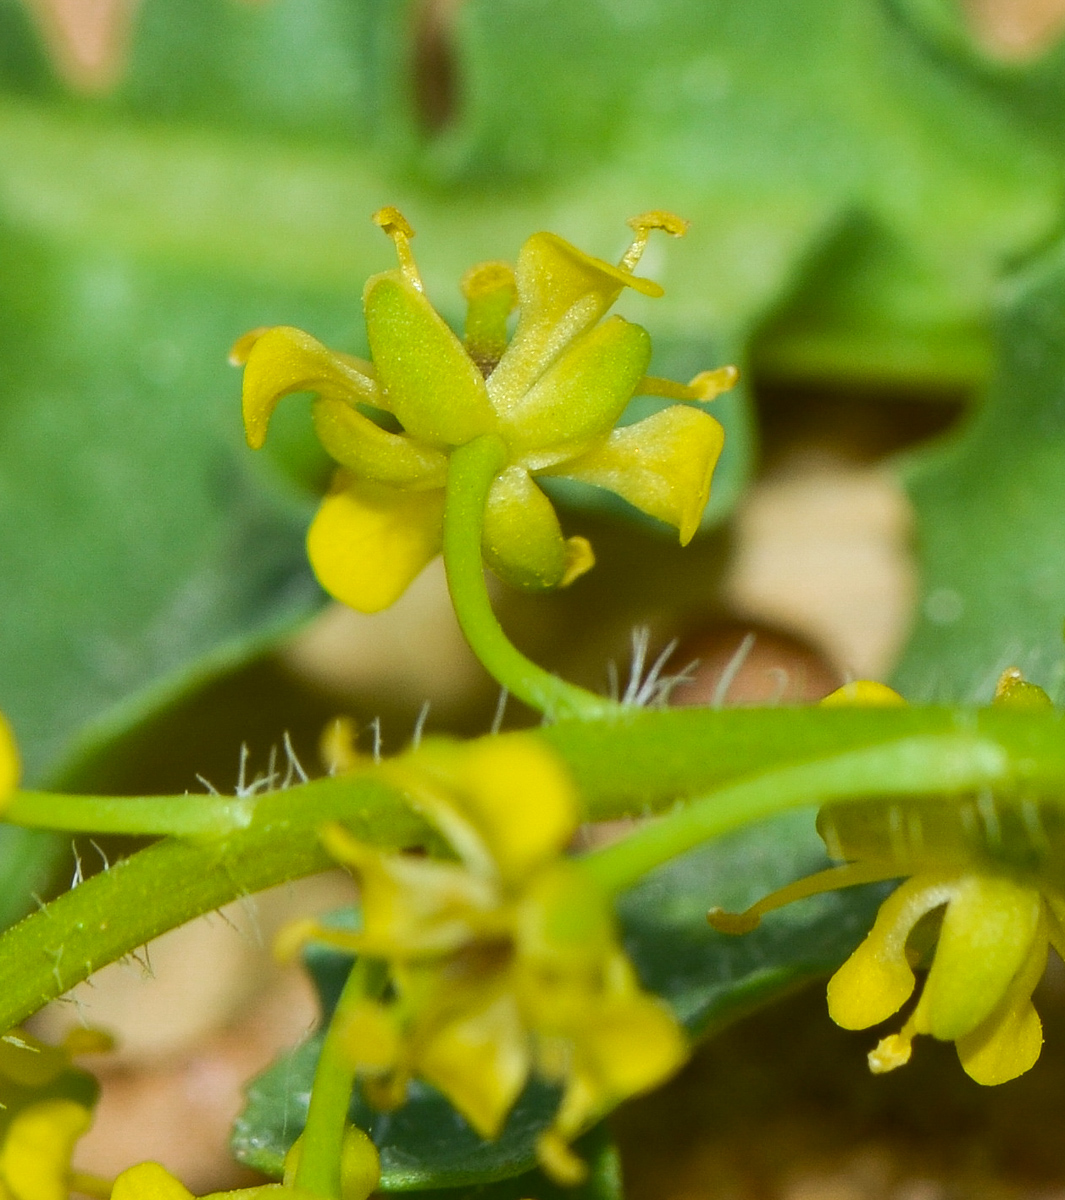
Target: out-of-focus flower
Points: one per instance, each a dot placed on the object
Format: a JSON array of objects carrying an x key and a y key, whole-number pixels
[
  {"x": 46, "y": 1106},
  {"x": 502, "y": 963},
  {"x": 978, "y": 902},
  {"x": 9, "y": 761},
  {"x": 553, "y": 394}
]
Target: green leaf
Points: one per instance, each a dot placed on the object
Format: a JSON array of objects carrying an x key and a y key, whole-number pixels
[
  {"x": 707, "y": 977},
  {"x": 989, "y": 506}
]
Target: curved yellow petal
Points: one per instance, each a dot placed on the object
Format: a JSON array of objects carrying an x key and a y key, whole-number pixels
[
  {"x": 522, "y": 540},
  {"x": 373, "y": 454},
  {"x": 368, "y": 542},
  {"x": 561, "y": 292},
  {"x": 1008, "y": 1043},
  {"x": 480, "y": 1060},
  {"x": 580, "y": 396},
  {"x": 662, "y": 465},
  {"x": 987, "y": 934},
  {"x": 877, "y": 980},
  {"x": 9, "y": 761},
  {"x": 284, "y": 360},
  {"x": 505, "y": 804},
  {"x": 37, "y": 1148},
  {"x": 149, "y": 1181},
  {"x": 428, "y": 380}
]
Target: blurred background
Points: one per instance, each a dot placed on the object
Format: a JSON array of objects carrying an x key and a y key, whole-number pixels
[{"x": 867, "y": 182}]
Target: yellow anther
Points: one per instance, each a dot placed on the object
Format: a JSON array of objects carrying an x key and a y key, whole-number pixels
[
  {"x": 242, "y": 347},
  {"x": 642, "y": 225},
  {"x": 398, "y": 228},
  {"x": 708, "y": 385},
  {"x": 891, "y": 1052},
  {"x": 733, "y": 922},
  {"x": 1014, "y": 691}
]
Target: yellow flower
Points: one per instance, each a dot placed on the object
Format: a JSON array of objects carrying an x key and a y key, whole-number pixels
[
  {"x": 553, "y": 394},
  {"x": 503, "y": 962},
  {"x": 974, "y": 892}
]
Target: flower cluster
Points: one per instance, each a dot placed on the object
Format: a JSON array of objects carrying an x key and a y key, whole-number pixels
[
  {"x": 973, "y": 901},
  {"x": 501, "y": 963},
  {"x": 552, "y": 394}
]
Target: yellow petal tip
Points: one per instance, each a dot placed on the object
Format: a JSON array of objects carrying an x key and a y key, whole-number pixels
[{"x": 864, "y": 693}]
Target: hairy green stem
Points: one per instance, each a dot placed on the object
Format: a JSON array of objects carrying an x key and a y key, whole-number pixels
[
  {"x": 949, "y": 764},
  {"x": 173, "y": 881},
  {"x": 470, "y": 473}
]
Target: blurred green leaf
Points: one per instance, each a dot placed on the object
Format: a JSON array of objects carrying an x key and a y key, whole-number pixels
[
  {"x": 989, "y": 505},
  {"x": 708, "y": 978}
]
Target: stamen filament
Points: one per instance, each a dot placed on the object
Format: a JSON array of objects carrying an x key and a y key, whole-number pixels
[
  {"x": 642, "y": 225},
  {"x": 829, "y": 880},
  {"x": 706, "y": 386},
  {"x": 399, "y": 229}
]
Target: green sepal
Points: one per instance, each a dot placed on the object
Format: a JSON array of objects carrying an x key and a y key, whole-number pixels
[
  {"x": 429, "y": 381},
  {"x": 522, "y": 540},
  {"x": 580, "y": 397}
]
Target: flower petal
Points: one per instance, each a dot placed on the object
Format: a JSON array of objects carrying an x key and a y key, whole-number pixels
[
  {"x": 9, "y": 761},
  {"x": 149, "y": 1181},
  {"x": 38, "y": 1145},
  {"x": 877, "y": 980},
  {"x": 368, "y": 542},
  {"x": 662, "y": 465},
  {"x": 480, "y": 1060},
  {"x": 986, "y": 936},
  {"x": 522, "y": 540},
  {"x": 561, "y": 292},
  {"x": 429, "y": 381},
  {"x": 373, "y": 454},
  {"x": 410, "y": 906},
  {"x": 505, "y": 804},
  {"x": 580, "y": 397},
  {"x": 284, "y": 360},
  {"x": 1008, "y": 1043}
]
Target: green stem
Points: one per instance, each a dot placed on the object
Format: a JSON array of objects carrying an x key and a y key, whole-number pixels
[
  {"x": 322, "y": 1146},
  {"x": 948, "y": 765},
  {"x": 139, "y": 816},
  {"x": 470, "y": 473}
]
